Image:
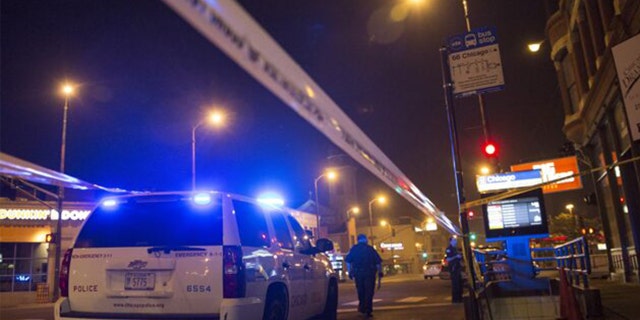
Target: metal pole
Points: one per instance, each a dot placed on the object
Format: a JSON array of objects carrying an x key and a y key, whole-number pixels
[
  {"x": 483, "y": 118},
  {"x": 193, "y": 158},
  {"x": 371, "y": 222},
  {"x": 58, "y": 240},
  {"x": 315, "y": 189},
  {"x": 455, "y": 158},
  {"x": 193, "y": 154}
]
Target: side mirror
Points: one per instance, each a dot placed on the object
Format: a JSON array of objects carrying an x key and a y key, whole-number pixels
[{"x": 324, "y": 245}]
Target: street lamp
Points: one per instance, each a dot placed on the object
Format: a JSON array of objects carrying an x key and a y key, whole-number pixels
[
  {"x": 534, "y": 47},
  {"x": 380, "y": 200},
  {"x": 215, "y": 118},
  {"x": 570, "y": 207},
  {"x": 330, "y": 175},
  {"x": 67, "y": 90}
]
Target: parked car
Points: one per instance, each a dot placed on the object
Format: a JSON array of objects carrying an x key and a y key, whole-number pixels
[
  {"x": 195, "y": 255},
  {"x": 444, "y": 271},
  {"x": 432, "y": 269}
]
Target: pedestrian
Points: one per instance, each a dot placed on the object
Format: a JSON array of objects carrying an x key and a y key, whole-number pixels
[
  {"x": 454, "y": 260},
  {"x": 363, "y": 264}
]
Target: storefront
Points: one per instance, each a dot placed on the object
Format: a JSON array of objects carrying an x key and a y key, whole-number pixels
[{"x": 26, "y": 257}]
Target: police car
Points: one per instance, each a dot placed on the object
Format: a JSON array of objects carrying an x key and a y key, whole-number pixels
[{"x": 195, "y": 255}]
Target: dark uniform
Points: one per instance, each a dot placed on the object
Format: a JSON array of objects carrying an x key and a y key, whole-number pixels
[
  {"x": 455, "y": 271},
  {"x": 364, "y": 262}
]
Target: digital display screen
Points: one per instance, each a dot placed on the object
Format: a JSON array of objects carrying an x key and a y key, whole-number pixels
[{"x": 516, "y": 216}]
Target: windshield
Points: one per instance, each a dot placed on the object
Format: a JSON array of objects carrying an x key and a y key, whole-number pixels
[{"x": 167, "y": 221}]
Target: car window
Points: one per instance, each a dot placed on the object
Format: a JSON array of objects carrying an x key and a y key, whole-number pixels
[
  {"x": 300, "y": 237},
  {"x": 282, "y": 231},
  {"x": 252, "y": 224},
  {"x": 165, "y": 221}
]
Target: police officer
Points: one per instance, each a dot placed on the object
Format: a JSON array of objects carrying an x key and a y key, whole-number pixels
[
  {"x": 454, "y": 260},
  {"x": 363, "y": 264}
]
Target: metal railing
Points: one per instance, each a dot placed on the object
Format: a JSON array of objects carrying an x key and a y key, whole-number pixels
[
  {"x": 618, "y": 264},
  {"x": 573, "y": 258},
  {"x": 492, "y": 265}
]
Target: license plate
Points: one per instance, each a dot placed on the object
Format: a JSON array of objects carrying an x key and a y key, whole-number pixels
[{"x": 139, "y": 281}]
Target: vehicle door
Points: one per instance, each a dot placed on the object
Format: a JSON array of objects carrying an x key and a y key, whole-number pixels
[
  {"x": 257, "y": 255},
  {"x": 292, "y": 266},
  {"x": 315, "y": 279}
]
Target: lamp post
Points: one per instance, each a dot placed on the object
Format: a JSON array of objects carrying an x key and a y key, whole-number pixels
[
  {"x": 216, "y": 118},
  {"x": 67, "y": 90},
  {"x": 380, "y": 200},
  {"x": 570, "y": 207},
  {"x": 331, "y": 175},
  {"x": 351, "y": 225}
]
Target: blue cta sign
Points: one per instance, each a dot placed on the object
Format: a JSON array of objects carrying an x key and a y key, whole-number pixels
[{"x": 508, "y": 180}]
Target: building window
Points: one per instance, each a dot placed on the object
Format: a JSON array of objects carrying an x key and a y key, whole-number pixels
[
  {"x": 22, "y": 266},
  {"x": 570, "y": 82}
]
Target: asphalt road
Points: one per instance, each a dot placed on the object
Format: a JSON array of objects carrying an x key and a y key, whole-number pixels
[
  {"x": 400, "y": 297},
  {"x": 404, "y": 297}
]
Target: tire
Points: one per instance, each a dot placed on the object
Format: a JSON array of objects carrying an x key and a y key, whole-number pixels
[
  {"x": 275, "y": 308},
  {"x": 331, "y": 305}
]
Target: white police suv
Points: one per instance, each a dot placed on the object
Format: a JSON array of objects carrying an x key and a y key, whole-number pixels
[{"x": 195, "y": 256}]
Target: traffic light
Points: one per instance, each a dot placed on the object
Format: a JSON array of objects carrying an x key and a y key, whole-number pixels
[
  {"x": 472, "y": 236},
  {"x": 470, "y": 214},
  {"x": 490, "y": 149}
]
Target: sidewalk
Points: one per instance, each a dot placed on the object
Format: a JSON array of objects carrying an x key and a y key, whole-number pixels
[{"x": 619, "y": 300}]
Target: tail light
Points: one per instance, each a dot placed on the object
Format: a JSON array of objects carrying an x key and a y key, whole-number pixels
[
  {"x": 64, "y": 273},
  {"x": 233, "y": 277}
]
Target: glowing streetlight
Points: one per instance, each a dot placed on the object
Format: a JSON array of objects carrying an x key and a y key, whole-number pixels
[
  {"x": 380, "y": 200},
  {"x": 484, "y": 170},
  {"x": 67, "y": 90},
  {"x": 570, "y": 207},
  {"x": 353, "y": 211},
  {"x": 216, "y": 118},
  {"x": 330, "y": 175},
  {"x": 534, "y": 46}
]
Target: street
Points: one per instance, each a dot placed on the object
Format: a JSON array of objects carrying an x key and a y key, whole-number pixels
[{"x": 406, "y": 296}]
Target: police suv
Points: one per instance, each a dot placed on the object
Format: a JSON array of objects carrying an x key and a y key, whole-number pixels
[{"x": 195, "y": 256}]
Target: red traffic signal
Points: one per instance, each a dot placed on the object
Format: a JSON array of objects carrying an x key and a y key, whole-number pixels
[{"x": 490, "y": 149}]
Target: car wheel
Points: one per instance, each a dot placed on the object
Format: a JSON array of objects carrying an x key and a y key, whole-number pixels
[
  {"x": 331, "y": 306},
  {"x": 275, "y": 307}
]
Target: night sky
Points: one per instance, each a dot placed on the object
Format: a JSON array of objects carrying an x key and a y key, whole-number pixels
[{"x": 146, "y": 77}]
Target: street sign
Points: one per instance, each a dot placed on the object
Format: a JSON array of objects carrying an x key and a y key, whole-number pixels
[
  {"x": 552, "y": 169},
  {"x": 474, "y": 62},
  {"x": 508, "y": 180},
  {"x": 626, "y": 56}
]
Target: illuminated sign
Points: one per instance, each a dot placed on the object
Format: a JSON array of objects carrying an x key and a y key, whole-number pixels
[
  {"x": 474, "y": 62},
  {"x": 431, "y": 226},
  {"x": 555, "y": 169},
  {"x": 41, "y": 214},
  {"x": 508, "y": 180},
  {"x": 392, "y": 246}
]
